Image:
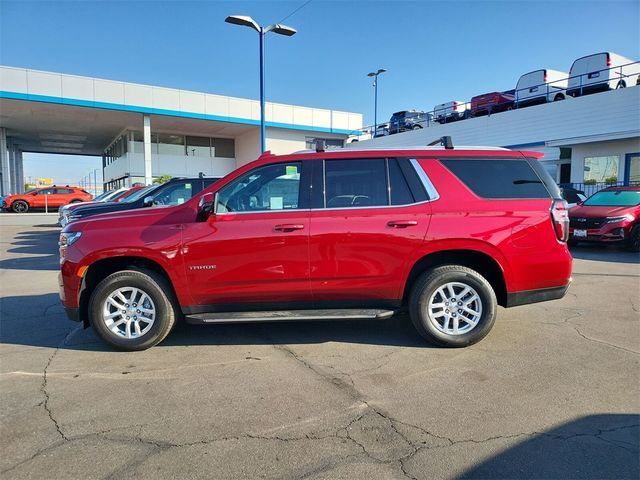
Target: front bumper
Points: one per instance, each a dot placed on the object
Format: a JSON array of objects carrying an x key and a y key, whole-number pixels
[{"x": 613, "y": 233}]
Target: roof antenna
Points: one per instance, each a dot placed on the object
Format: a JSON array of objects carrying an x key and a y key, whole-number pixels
[
  {"x": 319, "y": 145},
  {"x": 446, "y": 142}
]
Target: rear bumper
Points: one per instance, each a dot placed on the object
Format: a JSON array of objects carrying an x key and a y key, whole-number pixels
[{"x": 534, "y": 296}]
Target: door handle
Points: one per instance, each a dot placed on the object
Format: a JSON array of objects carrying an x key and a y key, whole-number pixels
[
  {"x": 402, "y": 223},
  {"x": 288, "y": 227}
]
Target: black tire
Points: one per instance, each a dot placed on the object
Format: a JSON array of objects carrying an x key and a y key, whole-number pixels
[
  {"x": 572, "y": 243},
  {"x": 425, "y": 287},
  {"x": 558, "y": 97},
  {"x": 20, "y": 206},
  {"x": 634, "y": 239},
  {"x": 621, "y": 84},
  {"x": 160, "y": 292},
  {"x": 76, "y": 200},
  {"x": 417, "y": 127}
]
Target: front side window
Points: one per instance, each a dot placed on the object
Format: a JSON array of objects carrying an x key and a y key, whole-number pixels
[
  {"x": 270, "y": 188},
  {"x": 46, "y": 191},
  {"x": 601, "y": 169},
  {"x": 356, "y": 183}
]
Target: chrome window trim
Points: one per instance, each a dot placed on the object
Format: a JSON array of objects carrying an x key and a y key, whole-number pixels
[{"x": 432, "y": 193}]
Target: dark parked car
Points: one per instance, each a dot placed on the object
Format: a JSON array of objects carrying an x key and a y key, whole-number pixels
[
  {"x": 174, "y": 192},
  {"x": 572, "y": 196},
  {"x": 609, "y": 216},
  {"x": 408, "y": 120}
]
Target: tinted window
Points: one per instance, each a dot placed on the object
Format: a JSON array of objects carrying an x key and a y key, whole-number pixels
[
  {"x": 270, "y": 188},
  {"x": 355, "y": 183},
  {"x": 46, "y": 191},
  {"x": 400, "y": 192},
  {"x": 498, "y": 178},
  {"x": 64, "y": 191},
  {"x": 177, "y": 193}
]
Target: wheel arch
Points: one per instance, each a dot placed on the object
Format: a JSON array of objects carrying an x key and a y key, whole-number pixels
[
  {"x": 100, "y": 269},
  {"x": 479, "y": 261}
]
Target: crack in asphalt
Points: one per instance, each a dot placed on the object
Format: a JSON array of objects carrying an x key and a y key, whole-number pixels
[{"x": 602, "y": 342}]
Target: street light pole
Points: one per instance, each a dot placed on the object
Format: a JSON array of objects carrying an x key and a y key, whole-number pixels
[
  {"x": 278, "y": 28},
  {"x": 375, "y": 98}
]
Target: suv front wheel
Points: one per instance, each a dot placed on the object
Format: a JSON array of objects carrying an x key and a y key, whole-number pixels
[
  {"x": 452, "y": 306},
  {"x": 132, "y": 309}
]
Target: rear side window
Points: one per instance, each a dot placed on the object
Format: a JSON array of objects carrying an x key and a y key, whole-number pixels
[
  {"x": 498, "y": 178},
  {"x": 356, "y": 183}
]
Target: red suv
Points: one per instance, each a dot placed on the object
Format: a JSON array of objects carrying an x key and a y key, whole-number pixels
[
  {"x": 47, "y": 197},
  {"x": 445, "y": 234},
  {"x": 609, "y": 216}
]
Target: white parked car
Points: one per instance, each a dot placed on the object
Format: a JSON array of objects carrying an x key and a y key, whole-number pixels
[
  {"x": 601, "y": 72},
  {"x": 541, "y": 86},
  {"x": 451, "y": 111}
]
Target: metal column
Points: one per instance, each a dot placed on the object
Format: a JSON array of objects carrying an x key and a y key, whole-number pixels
[
  {"x": 148, "y": 176},
  {"x": 4, "y": 164}
]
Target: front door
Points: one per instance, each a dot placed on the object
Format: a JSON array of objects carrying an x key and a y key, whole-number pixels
[
  {"x": 374, "y": 217},
  {"x": 253, "y": 253}
]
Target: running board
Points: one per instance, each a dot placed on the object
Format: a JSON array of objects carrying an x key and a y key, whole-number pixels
[{"x": 288, "y": 315}]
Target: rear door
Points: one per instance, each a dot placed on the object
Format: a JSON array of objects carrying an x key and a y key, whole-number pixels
[
  {"x": 373, "y": 215},
  {"x": 60, "y": 196}
]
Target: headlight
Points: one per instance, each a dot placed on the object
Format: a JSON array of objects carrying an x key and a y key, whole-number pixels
[
  {"x": 69, "y": 238},
  {"x": 622, "y": 218},
  {"x": 73, "y": 218}
]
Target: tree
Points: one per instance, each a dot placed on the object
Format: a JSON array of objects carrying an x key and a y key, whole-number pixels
[{"x": 162, "y": 179}]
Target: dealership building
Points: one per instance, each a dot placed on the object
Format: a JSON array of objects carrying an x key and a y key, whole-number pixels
[{"x": 143, "y": 131}]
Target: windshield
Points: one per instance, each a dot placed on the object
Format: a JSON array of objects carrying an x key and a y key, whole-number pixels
[
  {"x": 614, "y": 198},
  {"x": 138, "y": 194}
]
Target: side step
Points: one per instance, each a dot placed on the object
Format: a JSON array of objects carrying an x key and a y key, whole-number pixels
[{"x": 288, "y": 315}]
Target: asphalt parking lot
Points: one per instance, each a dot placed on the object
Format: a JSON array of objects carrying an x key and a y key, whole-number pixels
[{"x": 552, "y": 392}]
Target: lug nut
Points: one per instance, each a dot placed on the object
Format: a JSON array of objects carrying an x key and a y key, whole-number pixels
[
  {"x": 137, "y": 311},
  {"x": 460, "y": 304},
  {"x": 135, "y": 304},
  {"x": 124, "y": 311},
  {"x": 446, "y": 303},
  {"x": 453, "y": 314},
  {"x": 459, "y": 311},
  {"x": 135, "y": 317},
  {"x": 446, "y": 311},
  {"x": 126, "y": 304},
  {"x": 127, "y": 318}
]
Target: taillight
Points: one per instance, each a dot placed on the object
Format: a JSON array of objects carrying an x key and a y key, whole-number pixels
[
  {"x": 560, "y": 218},
  {"x": 455, "y": 105},
  {"x": 545, "y": 76},
  {"x": 608, "y": 60}
]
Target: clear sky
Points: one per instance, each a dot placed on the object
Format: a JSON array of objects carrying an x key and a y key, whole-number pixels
[{"x": 434, "y": 51}]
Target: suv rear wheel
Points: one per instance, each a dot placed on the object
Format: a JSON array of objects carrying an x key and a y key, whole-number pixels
[
  {"x": 131, "y": 309},
  {"x": 453, "y": 306}
]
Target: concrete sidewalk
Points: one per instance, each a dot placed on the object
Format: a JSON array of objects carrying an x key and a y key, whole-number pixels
[{"x": 8, "y": 219}]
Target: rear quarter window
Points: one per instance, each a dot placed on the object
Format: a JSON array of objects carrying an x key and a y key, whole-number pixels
[{"x": 498, "y": 178}]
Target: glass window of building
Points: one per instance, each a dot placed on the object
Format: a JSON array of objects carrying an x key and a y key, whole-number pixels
[
  {"x": 223, "y": 147},
  {"x": 601, "y": 169},
  {"x": 198, "y": 147},
  {"x": 170, "y": 144}
]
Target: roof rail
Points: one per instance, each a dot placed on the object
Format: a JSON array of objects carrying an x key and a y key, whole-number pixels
[{"x": 445, "y": 141}]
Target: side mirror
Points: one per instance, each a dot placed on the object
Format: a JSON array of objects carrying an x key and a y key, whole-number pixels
[
  {"x": 147, "y": 202},
  {"x": 205, "y": 207}
]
